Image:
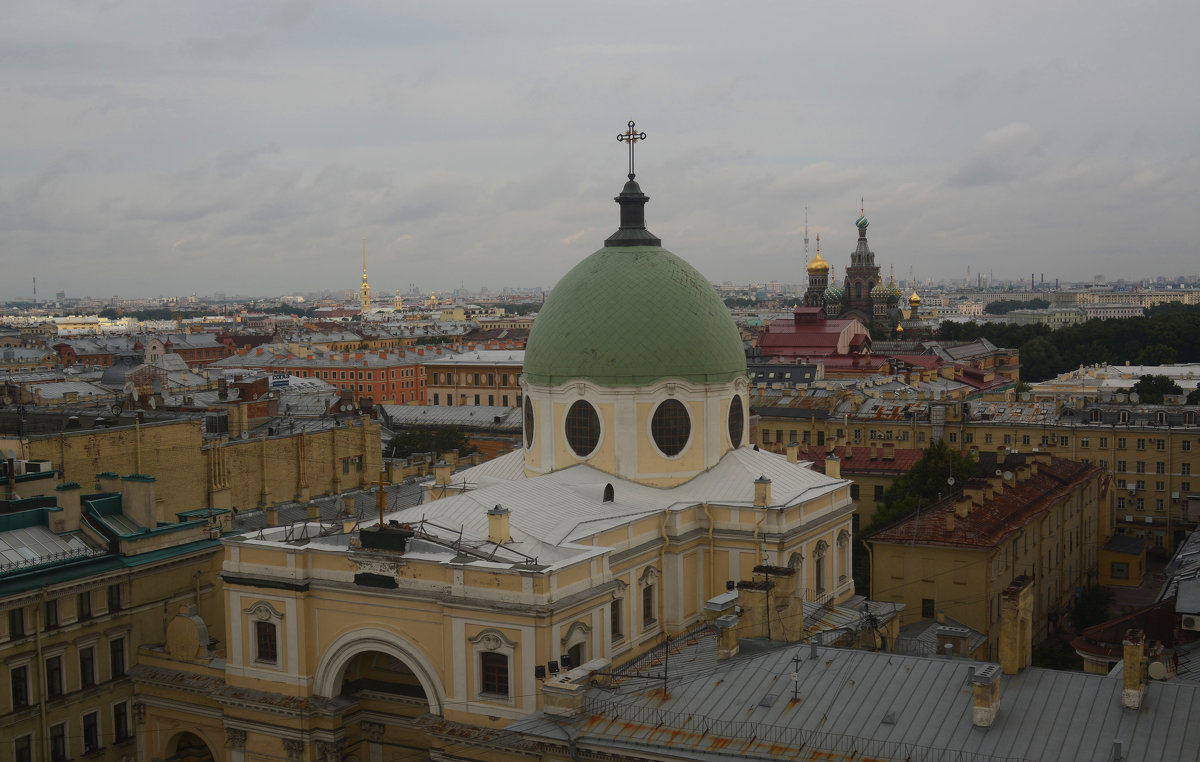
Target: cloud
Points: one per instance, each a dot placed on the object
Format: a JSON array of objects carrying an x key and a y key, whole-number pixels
[{"x": 1001, "y": 156}]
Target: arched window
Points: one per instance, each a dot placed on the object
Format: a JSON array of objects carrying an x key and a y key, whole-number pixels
[
  {"x": 858, "y": 291},
  {"x": 819, "y": 567},
  {"x": 1096, "y": 415},
  {"x": 1124, "y": 416},
  {"x": 608, "y": 493},
  {"x": 843, "y": 548}
]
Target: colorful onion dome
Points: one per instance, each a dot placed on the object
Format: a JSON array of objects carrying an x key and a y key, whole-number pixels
[
  {"x": 862, "y": 223},
  {"x": 880, "y": 291},
  {"x": 834, "y": 293}
]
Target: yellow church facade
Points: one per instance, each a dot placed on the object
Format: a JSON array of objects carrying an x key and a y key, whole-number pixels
[{"x": 636, "y": 504}]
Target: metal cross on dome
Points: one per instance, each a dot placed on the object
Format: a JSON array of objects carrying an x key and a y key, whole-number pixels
[{"x": 631, "y": 136}]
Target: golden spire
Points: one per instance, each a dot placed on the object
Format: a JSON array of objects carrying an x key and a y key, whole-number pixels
[
  {"x": 862, "y": 206},
  {"x": 365, "y": 301}
]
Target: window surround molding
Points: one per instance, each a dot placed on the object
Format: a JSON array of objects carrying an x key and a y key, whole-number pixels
[
  {"x": 579, "y": 633},
  {"x": 491, "y": 640},
  {"x": 263, "y": 611}
]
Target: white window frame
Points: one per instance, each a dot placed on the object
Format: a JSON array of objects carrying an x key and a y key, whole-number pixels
[
  {"x": 492, "y": 640},
  {"x": 264, "y": 611},
  {"x": 649, "y": 579}
]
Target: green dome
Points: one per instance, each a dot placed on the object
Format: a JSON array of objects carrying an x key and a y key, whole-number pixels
[{"x": 632, "y": 315}]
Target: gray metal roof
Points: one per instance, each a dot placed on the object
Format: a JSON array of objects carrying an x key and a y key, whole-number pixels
[
  {"x": 472, "y": 416},
  {"x": 881, "y": 705}
]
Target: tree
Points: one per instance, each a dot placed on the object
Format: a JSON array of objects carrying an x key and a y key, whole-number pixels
[
  {"x": 1005, "y": 306},
  {"x": 1092, "y": 607},
  {"x": 921, "y": 486},
  {"x": 1194, "y": 397},
  {"x": 925, "y": 482},
  {"x": 1152, "y": 389},
  {"x": 1157, "y": 354},
  {"x": 435, "y": 439}
]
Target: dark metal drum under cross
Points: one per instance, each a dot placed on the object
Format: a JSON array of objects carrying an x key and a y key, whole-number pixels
[{"x": 631, "y": 136}]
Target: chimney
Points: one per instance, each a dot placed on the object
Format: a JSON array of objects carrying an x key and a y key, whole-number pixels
[
  {"x": 137, "y": 500},
  {"x": 889, "y": 451},
  {"x": 793, "y": 452},
  {"x": 314, "y": 512},
  {"x": 1135, "y": 669},
  {"x": 349, "y": 525},
  {"x": 848, "y": 452},
  {"x": 950, "y": 521},
  {"x": 222, "y": 389},
  {"x": 727, "y": 639},
  {"x": 272, "y": 515},
  {"x": 762, "y": 492},
  {"x": 498, "y": 529},
  {"x": 985, "y": 684},
  {"x": 1016, "y": 625},
  {"x": 874, "y": 456},
  {"x": 833, "y": 466},
  {"x": 68, "y": 501},
  {"x": 962, "y": 506},
  {"x": 441, "y": 473}
]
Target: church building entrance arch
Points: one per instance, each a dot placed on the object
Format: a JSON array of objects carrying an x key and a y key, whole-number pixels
[{"x": 381, "y": 662}]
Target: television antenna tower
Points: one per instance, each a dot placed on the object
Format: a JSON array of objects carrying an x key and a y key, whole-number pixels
[{"x": 806, "y": 238}]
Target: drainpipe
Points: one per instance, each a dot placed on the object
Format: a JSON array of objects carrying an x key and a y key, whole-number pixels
[
  {"x": 712, "y": 580},
  {"x": 662, "y": 566},
  {"x": 41, "y": 674}
]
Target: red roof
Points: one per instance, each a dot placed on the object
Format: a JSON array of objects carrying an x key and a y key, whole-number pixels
[
  {"x": 862, "y": 460},
  {"x": 987, "y": 525}
]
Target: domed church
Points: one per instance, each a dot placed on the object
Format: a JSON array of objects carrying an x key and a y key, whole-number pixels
[
  {"x": 637, "y": 513},
  {"x": 634, "y": 365}
]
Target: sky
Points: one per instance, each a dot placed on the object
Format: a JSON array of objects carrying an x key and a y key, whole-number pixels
[{"x": 152, "y": 148}]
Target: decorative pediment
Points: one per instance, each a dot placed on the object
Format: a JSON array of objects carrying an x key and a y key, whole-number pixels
[
  {"x": 649, "y": 576},
  {"x": 576, "y": 633},
  {"x": 492, "y": 639},
  {"x": 263, "y": 611}
]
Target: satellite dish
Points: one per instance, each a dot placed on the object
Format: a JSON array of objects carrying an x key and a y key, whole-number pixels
[
  {"x": 1026, "y": 396},
  {"x": 998, "y": 472},
  {"x": 245, "y": 435},
  {"x": 116, "y": 409},
  {"x": 1008, "y": 476},
  {"x": 1157, "y": 670},
  {"x": 950, "y": 481},
  {"x": 153, "y": 403},
  {"x": 8, "y": 400},
  {"x": 1133, "y": 397}
]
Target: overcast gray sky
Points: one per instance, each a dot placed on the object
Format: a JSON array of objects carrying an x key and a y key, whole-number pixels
[{"x": 166, "y": 147}]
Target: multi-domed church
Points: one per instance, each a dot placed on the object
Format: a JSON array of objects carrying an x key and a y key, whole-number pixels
[
  {"x": 637, "y": 510},
  {"x": 863, "y": 294}
]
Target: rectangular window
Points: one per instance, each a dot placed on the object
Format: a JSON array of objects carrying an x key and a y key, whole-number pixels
[
  {"x": 493, "y": 673},
  {"x": 505, "y": 400},
  {"x": 116, "y": 657},
  {"x": 1121, "y": 467},
  {"x": 83, "y": 606},
  {"x": 1103, "y": 442},
  {"x": 1121, "y": 443},
  {"x": 54, "y": 677},
  {"x": 616, "y": 630},
  {"x": 87, "y": 667},
  {"x": 435, "y": 400},
  {"x": 1160, "y": 444},
  {"x": 1185, "y": 469},
  {"x": 121, "y": 721},
  {"x": 114, "y": 597},
  {"x": 1187, "y": 445},
  {"x": 968, "y": 438},
  {"x": 1120, "y": 570},
  {"x": 19, "y": 678},
  {"x": 266, "y": 651},
  {"x": 1141, "y": 504},
  {"x": 491, "y": 379},
  {"x": 1141, "y": 444},
  {"x": 953, "y": 437},
  {"x": 1158, "y": 504},
  {"x": 878, "y": 494},
  {"x": 648, "y": 601},
  {"x": 23, "y": 749},
  {"x": 91, "y": 732},
  {"x": 16, "y": 622},
  {"x": 987, "y": 438},
  {"x": 1084, "y": 442},
  {"x": 927, "y": 608},
  {"x": 476, "y": 400},
  {"x": 476, "y": 378},
  {"x": 504, "y": 379},
  {"x": 58, "y": 743},
  {"x": 491, "y": 399},
  {"x": 51, "y": 609},
  {"x": 854, "y": 491}
]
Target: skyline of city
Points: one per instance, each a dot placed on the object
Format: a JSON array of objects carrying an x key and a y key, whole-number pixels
[{"x": 183, "y": 148}]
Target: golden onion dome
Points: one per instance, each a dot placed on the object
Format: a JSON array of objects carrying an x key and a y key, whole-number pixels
[
  {"x": 914, "y": 299},
  {"x": 818, "y": 265}
]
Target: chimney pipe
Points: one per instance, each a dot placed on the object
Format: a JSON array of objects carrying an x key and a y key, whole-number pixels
[
  {"x": 762, "y": 492},
  {"x": 498, "y": 525},
  {"x": 1135, "y": 669},
  {"x": 793, "y": 452}
]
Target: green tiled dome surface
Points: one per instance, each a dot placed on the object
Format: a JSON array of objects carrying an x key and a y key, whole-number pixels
[{"x": 632, "y": 315}]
